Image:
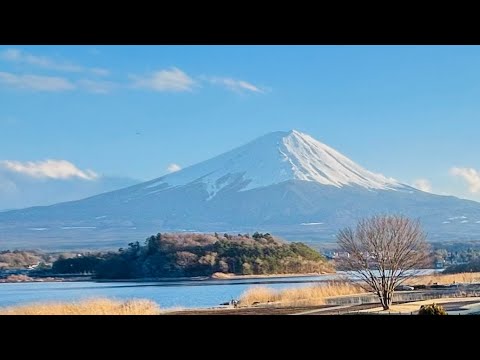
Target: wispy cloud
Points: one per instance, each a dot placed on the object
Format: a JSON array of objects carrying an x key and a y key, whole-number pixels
[
  {"x": 173, "y": 168},
  {"x": 423, "y": 184},
  {"x": 54, "y": 83},
  {"x": 470, "y": 175},
  {"x": 36, "y": 82},
  {"x": 97, "y": 86},
  {"x": 50, "y": 168},
  {"x": 164, "y": 80},
  {"x": 7, "y": 186},
  {"x": 20, "y": 56},
  {"x": 233, "y": 84},
  {"x": 168, "y": 80}
]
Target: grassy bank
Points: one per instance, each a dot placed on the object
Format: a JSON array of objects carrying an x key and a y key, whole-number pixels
[
  {"x": 87, "y": 307},
  {"x": 316, "y": 295},
  {"x": 445, "y": 279},
  {"x": 311, "y": 295}
]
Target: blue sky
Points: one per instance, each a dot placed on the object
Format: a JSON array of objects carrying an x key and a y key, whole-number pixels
[{"x": 408, "y": 112}]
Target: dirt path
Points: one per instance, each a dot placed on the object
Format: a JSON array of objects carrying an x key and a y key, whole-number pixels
[{"x": 260, "y": 310}]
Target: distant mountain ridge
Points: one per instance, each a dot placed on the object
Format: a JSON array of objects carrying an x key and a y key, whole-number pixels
[
  {"x": 28, "y": 191},
  {"x": 286, "y": 183}
]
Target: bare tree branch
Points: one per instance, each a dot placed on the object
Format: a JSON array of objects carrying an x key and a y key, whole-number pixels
[{"x": 383, "y": 251}]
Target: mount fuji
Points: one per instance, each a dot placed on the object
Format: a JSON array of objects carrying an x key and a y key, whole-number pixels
[{"x": 286, "y": 183}]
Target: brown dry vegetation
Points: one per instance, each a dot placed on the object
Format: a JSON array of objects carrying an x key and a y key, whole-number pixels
[
  {"x": 444, "y": 279},
  {"x": 18, "y": 278},
  {"x": 311, "y": 295},
  {"x": 19, "y": 259},
  {"x": 87, "y": 307},
  {"x": 316, "y": 295}
]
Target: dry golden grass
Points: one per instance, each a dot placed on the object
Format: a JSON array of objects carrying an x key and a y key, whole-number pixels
[
  {"x": 444, "y": 279},
  {"x": 316, "y": 295},
  {"x": 312, "y": 295},
  {"x": 87, "y": 307}
]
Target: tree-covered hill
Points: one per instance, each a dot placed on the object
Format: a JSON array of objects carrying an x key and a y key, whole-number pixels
[{"x": 190, "y": 254}]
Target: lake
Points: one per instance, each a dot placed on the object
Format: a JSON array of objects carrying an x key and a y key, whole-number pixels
[{"x": 185, "y": 294}]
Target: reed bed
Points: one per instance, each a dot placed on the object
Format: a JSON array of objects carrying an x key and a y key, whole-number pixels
[
  {"x": 445, "y": 279},
  {"x": 98, "y": 306},
  {"x": 311, "y": 295}
]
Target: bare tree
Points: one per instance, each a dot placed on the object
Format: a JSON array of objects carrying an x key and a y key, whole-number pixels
[{"x": 383, "y": 251}]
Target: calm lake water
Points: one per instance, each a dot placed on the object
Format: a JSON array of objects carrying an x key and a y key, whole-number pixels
[{"x": 185, "y": 294}]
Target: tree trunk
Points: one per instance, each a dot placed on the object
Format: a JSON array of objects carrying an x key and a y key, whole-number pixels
[{"x": 386, "y": 299}]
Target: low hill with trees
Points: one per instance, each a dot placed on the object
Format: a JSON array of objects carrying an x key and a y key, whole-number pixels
[
  {"x": 23, "y": 259},
  {"x": 192, "y": 254}
]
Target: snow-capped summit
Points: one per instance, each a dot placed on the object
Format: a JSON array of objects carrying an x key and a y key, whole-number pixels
[
  {"x": 312, "y": 160},
  {"x": 272, "y": 159}
]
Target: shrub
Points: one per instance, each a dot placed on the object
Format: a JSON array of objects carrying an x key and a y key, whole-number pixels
[{"x": 432, "y": 309}]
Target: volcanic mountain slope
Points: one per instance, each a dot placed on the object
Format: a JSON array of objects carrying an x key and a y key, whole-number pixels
[{"x": 286, "y": 183}]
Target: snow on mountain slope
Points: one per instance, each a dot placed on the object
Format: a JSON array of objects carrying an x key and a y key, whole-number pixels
[
  {"x": 313, "y": 161},
  {"x": 272, "y": 159}
]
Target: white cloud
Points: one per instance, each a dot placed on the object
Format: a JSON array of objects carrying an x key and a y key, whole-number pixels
[
  {"x": 50, "y": 168},
  {"x": 97, "y": 87},
  {"x": 423, "y": 184},
  {"x": 470, "y": 175},
  {"x": 20, "y": 56},
  {"x": 234, "y": 84},
  {"x": 36, "y": 82},
  {"x": 173, "y": 167},
  {"x": 173, "y": 79}
]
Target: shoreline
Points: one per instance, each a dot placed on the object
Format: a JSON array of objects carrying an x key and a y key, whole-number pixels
[
  {"x": 223, "y": 276},
  {"x": 215, "y": 276}
]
